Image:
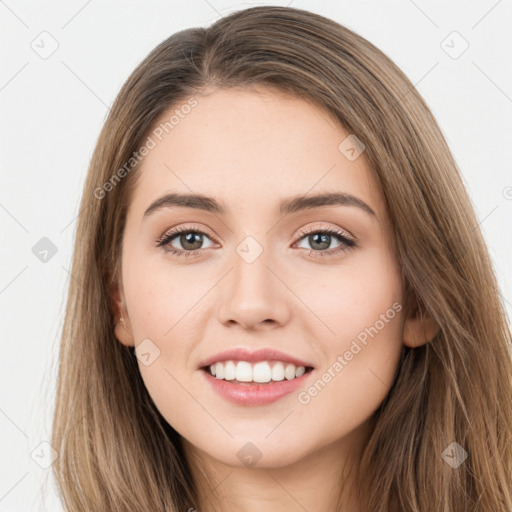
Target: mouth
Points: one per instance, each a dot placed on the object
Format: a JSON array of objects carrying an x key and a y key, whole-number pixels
[
  {"x": 248, "y": 377},
  {"x": 255, "y": 373},
  {"x": 256, "y": 384}
]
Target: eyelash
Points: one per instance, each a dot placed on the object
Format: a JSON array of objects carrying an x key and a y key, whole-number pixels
[{"x": 347, "y": 243}]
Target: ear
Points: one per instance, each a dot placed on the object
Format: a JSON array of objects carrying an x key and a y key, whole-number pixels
[
  {"x": 122, "y": 327},
  {"x": 418, "y": 327}
]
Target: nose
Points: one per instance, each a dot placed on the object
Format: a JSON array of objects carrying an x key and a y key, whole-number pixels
[{"x": 252, "y": 296}]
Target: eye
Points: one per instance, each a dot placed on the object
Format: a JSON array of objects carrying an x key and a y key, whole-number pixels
[
  {"x": 320, "y": 240},
  {"x": 190, "y": 239}
]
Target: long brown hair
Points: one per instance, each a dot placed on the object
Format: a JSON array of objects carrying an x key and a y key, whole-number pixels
[{"x": 116, "y": 452}]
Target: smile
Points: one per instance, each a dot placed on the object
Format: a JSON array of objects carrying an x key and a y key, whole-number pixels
[
  {"x": 249, "y": 392},
  {"x": 259, "y": 372}
]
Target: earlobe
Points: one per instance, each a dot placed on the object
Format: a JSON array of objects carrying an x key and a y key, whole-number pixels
[
  {"x": 419, "y": 329},
  {"x": 123, "y": 333},
  {"x": 122, "y": 327}
]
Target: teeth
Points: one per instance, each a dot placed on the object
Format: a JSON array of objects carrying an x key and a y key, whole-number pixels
[
  {"x": 278, "y": 372},
  {"x": 260, "y": 372},
  {"x": 230, "y": 371},
  {"x": 300, "y": 371},
  {"x": 289, "y": 371},
  {"x": 243, "y": 371}
]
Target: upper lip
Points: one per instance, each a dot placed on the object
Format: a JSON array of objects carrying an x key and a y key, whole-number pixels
[{"x": 245, "y": 354}]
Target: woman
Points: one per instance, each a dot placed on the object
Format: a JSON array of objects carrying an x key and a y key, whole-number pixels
[{"x": 262, "y": 370}]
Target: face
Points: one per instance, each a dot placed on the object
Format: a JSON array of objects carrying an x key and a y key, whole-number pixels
[{"x": 316, "y": 281}]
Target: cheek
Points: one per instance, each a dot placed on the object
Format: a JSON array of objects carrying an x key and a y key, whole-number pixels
[
  {"x": 160, "y": 309},
  {"x": 160, "y": 297},
  {"x": 360, "y": 303},
  {"x": 353, "y": 296},
  {"x": 164, "y": 305}
]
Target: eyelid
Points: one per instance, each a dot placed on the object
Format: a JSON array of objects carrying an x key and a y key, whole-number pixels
[
  {"x": 303, "y": 231},
  {"x": 185, "y": 228},
  {"x": 349, "y": 242},
  {"x": 325, "y": 227}
]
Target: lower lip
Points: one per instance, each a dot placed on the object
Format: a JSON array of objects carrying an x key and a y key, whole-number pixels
[{"x": 255, "y": 394}]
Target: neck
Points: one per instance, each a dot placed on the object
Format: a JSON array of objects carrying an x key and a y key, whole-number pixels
[{"x": 322, "y": 481}]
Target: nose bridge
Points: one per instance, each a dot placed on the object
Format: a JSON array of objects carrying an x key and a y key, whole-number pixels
[
  {"x": 251, "y": 264},
  {"x": 252, "y": 293}
]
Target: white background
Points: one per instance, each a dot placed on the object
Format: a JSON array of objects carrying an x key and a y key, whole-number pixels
[{"x": 52, "y": 110}]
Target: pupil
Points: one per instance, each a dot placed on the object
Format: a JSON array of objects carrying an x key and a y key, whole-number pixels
[
  {"x": 190, "y": 238},
  {"x": 324, "y": 240}
]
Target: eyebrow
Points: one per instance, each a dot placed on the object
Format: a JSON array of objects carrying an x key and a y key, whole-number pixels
[{"x": 290, "y": 205}]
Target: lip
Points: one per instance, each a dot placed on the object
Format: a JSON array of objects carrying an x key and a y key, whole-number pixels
[
  {"x": 251, "y": 394},
  {"x": 253, "y": 356}
]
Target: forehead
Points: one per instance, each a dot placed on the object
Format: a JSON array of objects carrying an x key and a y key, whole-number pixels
[{"x": 250, "y": 149}]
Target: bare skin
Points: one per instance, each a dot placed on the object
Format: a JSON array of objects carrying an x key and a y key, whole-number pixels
[{"x": 250, "y": 151}]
